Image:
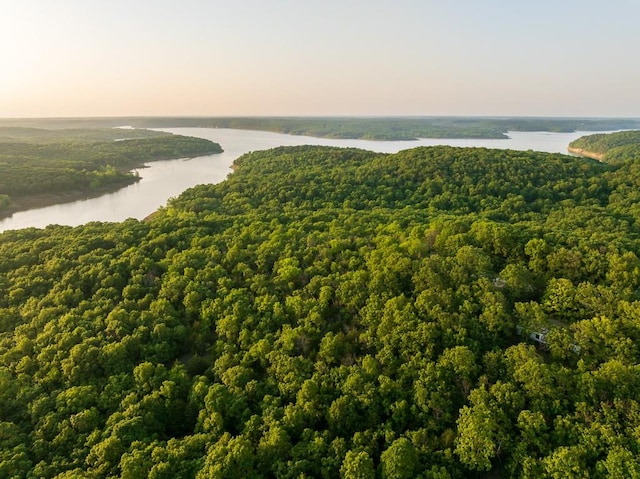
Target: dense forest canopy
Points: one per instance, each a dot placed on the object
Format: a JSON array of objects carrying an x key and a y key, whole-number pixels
[
  {"x": 335, "y": 313},
  {"x": 40, "y": 167},
  {"x": 370, "y": 128},
  {"x": 617, "y": 148}
]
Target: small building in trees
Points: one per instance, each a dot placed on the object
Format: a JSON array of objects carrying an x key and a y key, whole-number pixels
[{"x": 541, "y": 337}]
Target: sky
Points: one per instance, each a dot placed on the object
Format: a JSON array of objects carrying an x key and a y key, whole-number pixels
[{"x": 61, "y": 58}]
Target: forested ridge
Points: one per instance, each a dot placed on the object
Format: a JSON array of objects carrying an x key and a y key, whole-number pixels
[
  {"x": 332, "y": 312},
  {"x": 41, "y": 167},
  {"x": 619, "y": 147},
  {"x": 368, "y": 128}
]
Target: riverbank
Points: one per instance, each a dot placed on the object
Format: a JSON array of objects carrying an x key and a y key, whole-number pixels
[
  {"x": 612, "y": 148},
  {"x": 50, "y": 199},
  {"x": 41, "y": 168},
  {"x": 586, "y": 153}
]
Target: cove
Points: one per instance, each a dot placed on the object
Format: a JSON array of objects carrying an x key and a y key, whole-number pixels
[{"x": 161, "y": 180}]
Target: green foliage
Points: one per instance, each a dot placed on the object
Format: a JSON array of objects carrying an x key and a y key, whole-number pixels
[
  {"x": 357, "y": 465},
  {"x": 399, "y": 460},
  {"x": 5, "y": 201},
  {"x": 329, "y": 312}
]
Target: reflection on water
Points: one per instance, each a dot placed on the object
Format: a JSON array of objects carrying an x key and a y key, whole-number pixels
[{"x": 162, "y": 180}]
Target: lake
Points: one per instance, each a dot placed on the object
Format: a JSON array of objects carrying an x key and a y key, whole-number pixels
[{"x": 162, "y": 180}]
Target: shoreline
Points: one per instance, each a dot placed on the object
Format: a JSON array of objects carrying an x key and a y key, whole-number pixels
[
  {"x": 51, "y": 199},
  {"x": 586, "y": 153},
  {"x": 31, "y": 202}
]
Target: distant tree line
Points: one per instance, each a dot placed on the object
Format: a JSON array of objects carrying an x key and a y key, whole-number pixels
[{"x": 372, "y": 128}]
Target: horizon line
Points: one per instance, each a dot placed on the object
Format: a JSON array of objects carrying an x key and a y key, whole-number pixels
[{"x": 331, "y": 116}]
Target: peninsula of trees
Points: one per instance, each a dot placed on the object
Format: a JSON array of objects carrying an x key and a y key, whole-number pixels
[
  {"x": 39, "y": 167},
  {"x": 619, "y": 147},
  {"x": 435, "y": 313}
]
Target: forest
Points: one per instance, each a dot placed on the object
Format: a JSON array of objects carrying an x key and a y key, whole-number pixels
[
  {"x": 436, "y": 313},
  {"x": 44, "y": 166},
  {"x": 368, "y": 128}
]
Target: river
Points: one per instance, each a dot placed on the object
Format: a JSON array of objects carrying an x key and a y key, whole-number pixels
[{"x": 161, "y": 180}]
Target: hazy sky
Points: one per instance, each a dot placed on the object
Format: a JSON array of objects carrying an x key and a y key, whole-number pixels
[{"x": 319, "y": 57}]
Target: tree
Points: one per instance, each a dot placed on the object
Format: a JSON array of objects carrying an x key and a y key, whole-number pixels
[
  {"x": 620, "y": 463},
  {"x": 357, "y": 465},
  {"x": 537, "y": 250},
  {"x": 475, "y": 444},
  {"x": 559, "y": 300},
  {"x": 566, "y": 463},
  {"x": 229, "y": 458},
  {"x": 399, "y": 460},
  {"x": 486, "y": 426}
]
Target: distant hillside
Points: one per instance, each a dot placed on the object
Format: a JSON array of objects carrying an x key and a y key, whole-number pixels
[
  {"x": 369, "y": 128},
  {"x": 611, "y": 148}
]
